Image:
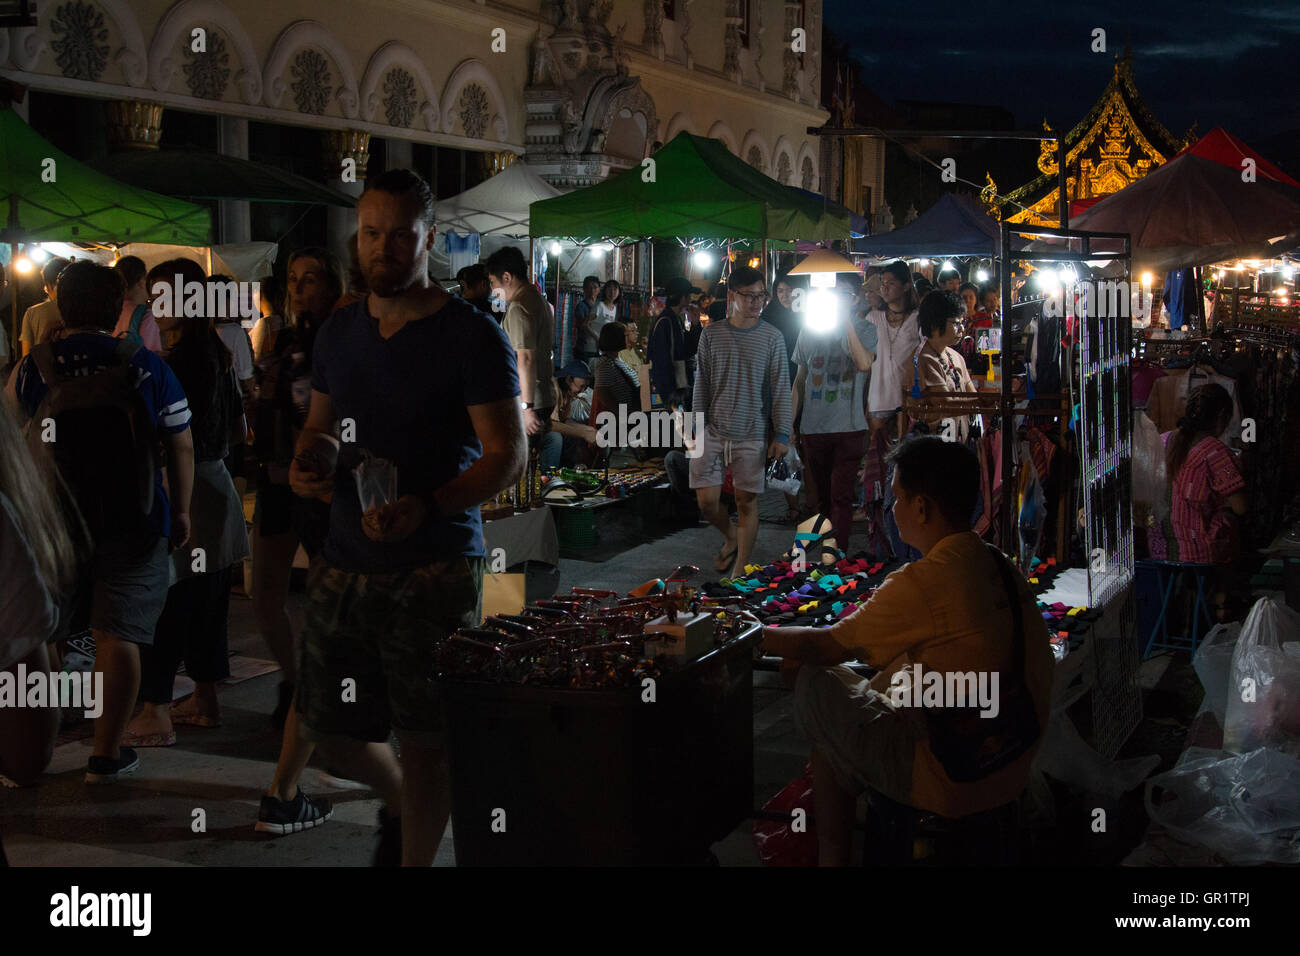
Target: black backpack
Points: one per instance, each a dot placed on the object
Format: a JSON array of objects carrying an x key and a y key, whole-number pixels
[{"x": 105, "y": 447}]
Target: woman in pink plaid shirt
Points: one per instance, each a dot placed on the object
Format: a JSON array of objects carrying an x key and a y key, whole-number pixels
[{"x": 1204, "y": 486}]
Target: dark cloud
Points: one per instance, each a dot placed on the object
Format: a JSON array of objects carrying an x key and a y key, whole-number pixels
[{"x": 1216, "y": 64}]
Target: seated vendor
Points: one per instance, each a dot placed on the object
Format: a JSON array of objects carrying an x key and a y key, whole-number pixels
[
  {"x": 948, "y": 612},
  {"x": 571, "y": 440},
  {"x": 618, "y": 388},
  {"x": 936, "y": 368}
]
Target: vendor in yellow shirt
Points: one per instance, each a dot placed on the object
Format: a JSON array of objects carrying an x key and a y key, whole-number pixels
[{"x": 947, "y": 612}]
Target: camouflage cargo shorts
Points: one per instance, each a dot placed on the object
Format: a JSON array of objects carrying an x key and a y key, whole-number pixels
[{"x": 381, "y": 631}]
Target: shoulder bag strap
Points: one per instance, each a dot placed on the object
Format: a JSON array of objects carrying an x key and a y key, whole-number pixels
[{"x": 1017, "y": 613}]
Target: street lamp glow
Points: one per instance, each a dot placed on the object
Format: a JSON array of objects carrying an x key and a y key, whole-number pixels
[
  {"x": 820, "y": 311},
  {"x": 702, "y": 260}
]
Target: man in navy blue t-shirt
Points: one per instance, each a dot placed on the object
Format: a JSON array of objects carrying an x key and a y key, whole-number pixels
[{"x": 416, "y": 378}]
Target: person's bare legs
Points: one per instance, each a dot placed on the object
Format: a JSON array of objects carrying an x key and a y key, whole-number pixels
[
  {"x": 272, "y": 566},
  {"x": 747, "y": 515},
  {"x": 426, "y": 798},
  {"x": 295, "y": 751},
  {"x": 117, "y": 664},
  {"x": 715, "y": 513},
  {"x": 833, "y": 809},
  {"x": 203, "y": 703},
  {"x": 152, "y": 719},
  {"x": 373, "y": 764}
]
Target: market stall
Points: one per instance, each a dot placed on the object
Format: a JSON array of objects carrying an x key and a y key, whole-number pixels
[{"x": 47, "y": 196}]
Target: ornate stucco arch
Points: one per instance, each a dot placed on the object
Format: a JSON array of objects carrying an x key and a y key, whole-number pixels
[
  {"x": 722, "y": 131},
  {"x": 783, "y": 148},
  {"x": 806, "y": 151},
  {"x": 632, "y": 97},
  {"x": 131, "y": 56},
  {"x": 475, "y": 71},
  {"x": 393, "y": 54},
  {"x": 752, "y": 139},
  {"x": 179, "y": 21},
  {"x": 296, "y": 36},
  {"x": 680, "y": 122}
]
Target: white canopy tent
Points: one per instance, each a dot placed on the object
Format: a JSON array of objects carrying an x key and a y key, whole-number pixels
[{"x": 496, "y": 210}]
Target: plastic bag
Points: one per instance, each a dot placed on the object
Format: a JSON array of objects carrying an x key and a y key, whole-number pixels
[
  {"x": 777, "y": 841},
  {"x": 1264, "y": 690},
  {"x": 376, "y": 482},
  {"x": 1213, "y": 664},
  {"x": 785, "y": 474},
  {"x": 1149, "y": 479},
  {"x": 1246, "y": 808}
]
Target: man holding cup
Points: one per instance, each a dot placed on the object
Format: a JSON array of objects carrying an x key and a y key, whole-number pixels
[{"x": 422, "y": 390}]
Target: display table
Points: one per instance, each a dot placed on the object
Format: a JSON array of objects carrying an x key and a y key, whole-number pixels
[{"x": 602, "y": 777}]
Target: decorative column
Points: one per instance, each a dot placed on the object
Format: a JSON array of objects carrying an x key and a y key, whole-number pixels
[
  {"x": 342, "y": 222},
  {"x": 134, "y": 124},
  {"x": 731, "y": 41},
  {"x": 235, "y": 219},
  {"x": 398, "y": 154}
]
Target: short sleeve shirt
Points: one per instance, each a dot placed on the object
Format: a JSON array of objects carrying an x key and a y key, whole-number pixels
[
  {"x": 530, "y": 326},
  {"x": 408, "y": 398},
  {"x": 833, "y": 386},
  {"x": 88, "y": 352},
  {"x": 37, "y": 321},
  {"x": 1199, "y": 528},
  {"x": 236, "y": 339}
]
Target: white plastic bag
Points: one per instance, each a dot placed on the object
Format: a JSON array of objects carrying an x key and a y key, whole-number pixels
[
  {"x": 1264, "y": 691},
  {"x": 1246, "y": 808},
  {"x": 1149, "y": 476},
  {"x": 1213, "y": 664}
]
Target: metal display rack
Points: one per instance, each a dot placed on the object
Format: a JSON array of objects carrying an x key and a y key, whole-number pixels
[{"x": 1105, "y": 453}]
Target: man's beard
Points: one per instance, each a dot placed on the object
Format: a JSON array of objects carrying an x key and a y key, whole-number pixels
[{"x": 390, "y": 283}]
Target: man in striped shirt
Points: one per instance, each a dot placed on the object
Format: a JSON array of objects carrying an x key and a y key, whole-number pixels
[
  {"x": 126, "y": 582},
  {"x": 742, "y": 388}
]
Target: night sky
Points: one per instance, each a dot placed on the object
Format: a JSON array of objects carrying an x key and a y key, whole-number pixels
[{"x": 1221, "y": 65}]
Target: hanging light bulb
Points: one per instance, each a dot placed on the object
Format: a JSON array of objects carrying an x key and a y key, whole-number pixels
[
  {"x": 555, "y": 248},
  {"x": 982, "y": 275},
  {"x": 37, "y": 254},
  {"x": 24, "y": 266},
  {"x": 701, "y": 260}
]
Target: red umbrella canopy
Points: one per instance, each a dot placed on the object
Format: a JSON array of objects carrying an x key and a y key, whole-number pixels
[
  {"x": 1192, "y": 211},
  {"x": 1220, "y": 146}
]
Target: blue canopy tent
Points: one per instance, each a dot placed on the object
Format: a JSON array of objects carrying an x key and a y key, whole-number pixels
[{"x": 954, "y": 226}]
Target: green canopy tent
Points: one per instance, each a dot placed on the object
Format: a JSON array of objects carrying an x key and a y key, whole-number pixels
[
  {"x": 699, "y": 190},
  {"x": 51, "y": 197},
  {"x": 47, "y": 196}
]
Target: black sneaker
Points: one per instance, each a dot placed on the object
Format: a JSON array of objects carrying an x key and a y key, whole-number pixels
[
  {"x": 281, "y": 712},
  {"x": 389, "y": 851},
  {"x": 282, "y": 817},
  {"x": 107, "y": 769}
]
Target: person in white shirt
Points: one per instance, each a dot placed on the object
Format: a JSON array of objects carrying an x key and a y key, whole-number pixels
[
  {"x": 43, "y": 319},
  {"x": 607, "y": 307},
  {"x": 897, "y": 337}
]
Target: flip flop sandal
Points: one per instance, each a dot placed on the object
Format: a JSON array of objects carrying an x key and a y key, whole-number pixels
[
  {"x": 725, "y": 559},
  {"x": 149, "y": 740}
]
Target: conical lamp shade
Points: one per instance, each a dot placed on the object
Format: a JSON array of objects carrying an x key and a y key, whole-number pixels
[{"x": 823, "y": 260}]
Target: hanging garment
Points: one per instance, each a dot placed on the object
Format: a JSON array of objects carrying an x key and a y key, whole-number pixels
[
  {"x": 1180, "y": 297},
  {"x": 1143, "y": 378},
  {"x": 462, "y": 250}
]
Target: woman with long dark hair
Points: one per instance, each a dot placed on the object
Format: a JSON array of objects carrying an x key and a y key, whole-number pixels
[
  {"x": 1205, "y": 489},
  {"x": 192, "y": 626}
]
